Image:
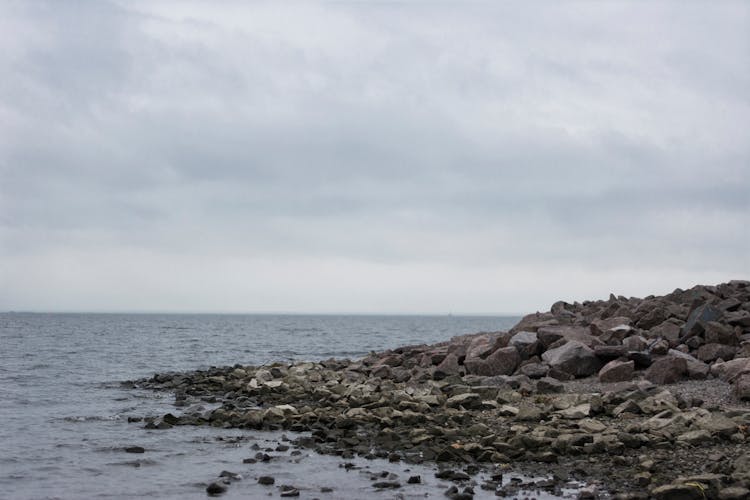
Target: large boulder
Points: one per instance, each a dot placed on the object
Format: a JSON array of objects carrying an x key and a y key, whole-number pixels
[
  {"x": 730, "y": 371},
  {"x": 549, "y": 335},
  {"x": 714, "y": 351},
  {"x": 697, "y": 320},
  {"x": 503, "y": 361},
  {"x": 617, "y": 371},
  {"x": 741, "y": 388},
  {"x": 527, "y": 344},
  {"x": 667, "y": 370},
  {"x": 574, "y": 358}
]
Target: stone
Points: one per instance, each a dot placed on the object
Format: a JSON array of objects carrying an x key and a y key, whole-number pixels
[
  {"x": 666, "y": 370},
  {"x": 668, "y": 330},
  {"x": 448, "y": 366},
  {"x": 734, "y": 493},
  {"x": 711, "y": 352},
  {"x": 574, "y": 357},
  {"x": 534, "y": 370},
  {"x": 610, "y": 352},
  {"x": 717, "y": 333},
  {"x": 741, "y": 389},
  {"x": 696, "y": 322},
  {"x": 548, "y": 335},
  {"x": 695, "y": 437},
  {"x": 135, "y": 449},
  {"x": 731, "y": 370},
  {"x": 289, "y": 491},
  {"x": 467, "y": 400},
  {"x": 635, "y": 343},
  {"x": 216, "y": 488},
  {"x": 549, "y": 385},
  {"x": 266, "y": 480},
  {"x": 527, "y": 343},
  {"x": 654, "y": 317},
  {"x": 677, "y": 492},
  {"x": 575, "y": 412},
  {"x": 391, "y": 485},
  {"x": 503, "y": 361},
  {"x": 617, "y": 371}
]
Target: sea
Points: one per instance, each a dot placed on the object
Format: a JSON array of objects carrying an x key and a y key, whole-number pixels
[{"x": 64, "y": 410}]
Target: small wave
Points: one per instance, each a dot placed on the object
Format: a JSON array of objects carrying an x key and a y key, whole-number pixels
[{"x": 91, "y": 418}]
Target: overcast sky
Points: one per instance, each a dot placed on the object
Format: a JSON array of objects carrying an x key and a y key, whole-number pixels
[{"x": 421, "y": 156}]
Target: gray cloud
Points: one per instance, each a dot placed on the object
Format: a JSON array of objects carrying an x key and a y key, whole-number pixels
[{"x": 427, "y": 156}]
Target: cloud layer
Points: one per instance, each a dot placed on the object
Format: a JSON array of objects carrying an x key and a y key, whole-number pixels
[{"x": 369, "y": 157}]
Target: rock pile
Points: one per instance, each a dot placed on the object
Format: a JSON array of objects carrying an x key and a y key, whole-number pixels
[{"x": 510, "y": 397}]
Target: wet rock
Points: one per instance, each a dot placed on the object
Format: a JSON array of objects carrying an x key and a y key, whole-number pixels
[
  {"x": 135, "y": 449},
  {"x": 266, "y": 480},
  {"x": 666, "y": 370},
  {"x": 216, "y": 488},
  {"x": 574, "y": 358},
  {"x": 381, "y": 485},
  {"x": 414, "y": 480},
  {"x": 617, "y": 371},
  {"x": 678, "y": 492},
  {"x": 288, "y": 491}
]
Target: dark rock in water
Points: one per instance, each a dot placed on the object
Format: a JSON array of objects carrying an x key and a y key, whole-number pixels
[
  {"x": 216, "y": 488},
  {"x": 381, "y": 485},
  {"x": 414, "y": 480},
  {"x": 170, "y": 419},
  {"x": 667, "y": 370},
  {"x": 678, "y": 492},
  {"x": 289, "y": 491},
  {"x": 574, "y": 357},
  {"x": 266, "y": 480},
  {"x": 230, "y": 475},
  {"x": 135, "y": 449}
]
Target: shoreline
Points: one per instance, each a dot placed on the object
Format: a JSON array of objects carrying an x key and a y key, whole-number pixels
[{"x": 634, "y": 398}]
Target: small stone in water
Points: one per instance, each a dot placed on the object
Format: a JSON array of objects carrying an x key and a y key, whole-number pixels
[
  {"x": 415, "y": 480},
  {"x": 135, "y": 449},
  {"x": 266, "y": 480},
  {"x": 216, "y": 489}
]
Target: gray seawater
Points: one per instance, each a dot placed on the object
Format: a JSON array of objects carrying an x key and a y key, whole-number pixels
[{"x": 63, "y": 412}]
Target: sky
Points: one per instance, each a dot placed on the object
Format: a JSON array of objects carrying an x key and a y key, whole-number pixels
[{"x": 371, "y": 156}]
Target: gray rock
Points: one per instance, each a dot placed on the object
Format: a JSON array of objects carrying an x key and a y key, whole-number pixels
[
  {"x": 718, "y": 333},
  {"x": 734, "y": 493},
  {"x": 696, "y": 322},
  {"x": 711, "y": 352},
  {"x": 741, "y": 389},
  {"x": 677, "y": 492},
  {"x": 667, "y": 370},
  {"x": 635, "y": 343},
  {"x": 503, "y": 361},
  {"x": 534, "y": 370},
  {"x": 549, "y": 385},
  {"x": 527, "y": 343},
  {"x": 617, "y": 371},
  {"x": 574, "y": 357},
  {"x": 548, "y": 335}
]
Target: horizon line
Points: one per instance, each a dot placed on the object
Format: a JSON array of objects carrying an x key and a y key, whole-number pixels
[{"x": 269, "y": 313}]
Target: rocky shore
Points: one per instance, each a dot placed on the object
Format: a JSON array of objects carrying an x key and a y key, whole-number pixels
[{"x": 635, "y": 398}]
